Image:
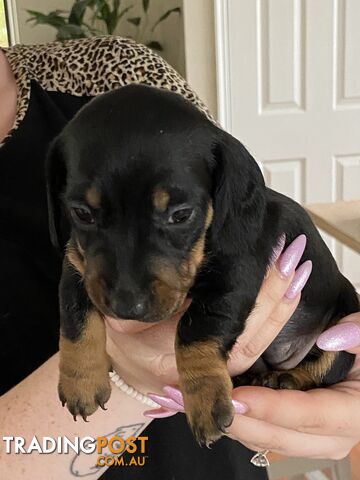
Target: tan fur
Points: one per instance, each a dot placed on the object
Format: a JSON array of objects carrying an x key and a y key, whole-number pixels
[
  {"x": 76, "y": 259},
  {"x": 309, "y": 374},
  {"x": 161, "y": 199},
  {"x": 94, "y": 284},
  {"x": 92, "y": 197},
  {"x": 172, "y": 284},
  {"x": 303, "y": 377},
  {"x": 206, "y": 385},
  {"x": 317, "y": 370},
  {"x": 196, "y": 257},
  {"x": 84, "y": 367}
]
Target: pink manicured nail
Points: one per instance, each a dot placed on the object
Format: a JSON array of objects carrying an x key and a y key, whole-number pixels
[
  {"x": 340, "y": 337},
  {"x": 240, "y": 407},
  {"x": 292, "y": 255},
  {"x": 166, "y": 402},
  {"x": 159, "y": 413},
  {"x": 278, "y": 249},
  {"x": 300, "y": 278},
  {"x": 174, "y": 393}
]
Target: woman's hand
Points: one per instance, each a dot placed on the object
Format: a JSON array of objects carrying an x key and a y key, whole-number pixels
[
  {"x": 320, "y": 423},
  {"x": 144, "y": 353},
  {"x": 276, "y": 302}
]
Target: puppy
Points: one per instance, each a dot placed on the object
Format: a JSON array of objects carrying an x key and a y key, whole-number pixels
[{"x": 152, "y": 203}]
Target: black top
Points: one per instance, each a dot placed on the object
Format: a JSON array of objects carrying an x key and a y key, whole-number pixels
[{"x": 30, "y": 268}]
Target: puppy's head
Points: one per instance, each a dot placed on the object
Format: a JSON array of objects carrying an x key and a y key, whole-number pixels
[{"x": 149, "y": 186}]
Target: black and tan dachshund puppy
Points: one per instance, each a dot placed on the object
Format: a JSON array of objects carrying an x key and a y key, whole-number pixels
[{"x": 152, "y": 203}]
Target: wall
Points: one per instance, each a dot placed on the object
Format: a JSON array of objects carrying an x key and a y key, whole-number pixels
[
  {"x": 40, "y": 33},
  {"x": 200, "y": 50}
]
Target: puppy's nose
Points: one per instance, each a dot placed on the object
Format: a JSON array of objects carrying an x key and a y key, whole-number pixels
[{"x": 125, "y": 304}]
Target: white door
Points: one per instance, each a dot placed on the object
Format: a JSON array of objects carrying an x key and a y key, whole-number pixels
[{"x": 289, "y": 89}]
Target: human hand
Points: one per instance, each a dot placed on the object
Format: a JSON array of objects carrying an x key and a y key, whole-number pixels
[
  {"x": 276, "y": 302},
  {"x": 320, "y": 423}
]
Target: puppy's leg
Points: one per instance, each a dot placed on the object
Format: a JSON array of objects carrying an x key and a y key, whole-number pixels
[
  {"x": 317, "y": 369},
  {"x": 205, "y": 335},
  {"x": 84, "y": 364},
  {"x": 206, "y": 386}
]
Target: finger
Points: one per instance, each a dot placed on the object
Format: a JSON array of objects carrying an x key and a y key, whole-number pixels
[
  {"x": 282, "y": 285},
  {"x": 277, "y": 282},
  {"x": 247, "y": 349},
  {"x": 343, "y": 336},
  {"x": 264, "y": 436},
  {"x": 320, "y": 412}
]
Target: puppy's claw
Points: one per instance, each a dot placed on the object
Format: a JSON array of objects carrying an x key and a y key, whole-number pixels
[
  {"x": 74, "y": 417},
  {"x": 102, "y": 406}
]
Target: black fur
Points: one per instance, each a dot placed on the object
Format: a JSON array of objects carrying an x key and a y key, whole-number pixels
[{"x": 132, "y": 140}]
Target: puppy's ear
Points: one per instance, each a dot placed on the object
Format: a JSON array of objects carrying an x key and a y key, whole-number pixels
[
  {"x": 55, "y": 184},
  {"x": 238, "y": 196}
]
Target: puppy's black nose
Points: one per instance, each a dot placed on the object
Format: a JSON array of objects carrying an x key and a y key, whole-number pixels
[{"x": 125, "y": 304}]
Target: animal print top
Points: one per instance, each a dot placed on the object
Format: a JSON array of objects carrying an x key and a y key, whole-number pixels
[{"x": 89, "y": 67}]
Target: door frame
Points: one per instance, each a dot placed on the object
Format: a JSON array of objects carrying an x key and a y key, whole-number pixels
[
  {"x": 12, "y": 22},
  {"x": 223, "y": 74}
]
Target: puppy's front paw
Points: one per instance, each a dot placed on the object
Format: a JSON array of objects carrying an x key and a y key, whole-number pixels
[
  {"x": 84, "y": 392},
  {"x": 209, "y": 410}
]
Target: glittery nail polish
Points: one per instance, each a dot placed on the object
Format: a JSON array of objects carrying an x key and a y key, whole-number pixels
[
  {"x": 299, "y": 281},
  {"x": 159, "y": 413},
  {"x": 240, "y": 407},
  {"x": 340, "y": 337},
  {"x": 174, "y": 393},
  {"x": 289, "y": 260},
  {"x": 166, "y": 402}
]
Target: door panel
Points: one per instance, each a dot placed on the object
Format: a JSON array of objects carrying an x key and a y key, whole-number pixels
[{"x": 289, "y": 75}]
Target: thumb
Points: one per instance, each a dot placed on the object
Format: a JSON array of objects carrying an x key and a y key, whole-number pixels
[{"x": 343, "y": 336}]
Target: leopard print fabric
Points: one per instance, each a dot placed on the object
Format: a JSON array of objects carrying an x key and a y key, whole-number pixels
[{"x": 89, "y": 67}]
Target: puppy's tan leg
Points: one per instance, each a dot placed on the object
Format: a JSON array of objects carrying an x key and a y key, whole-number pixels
[
  {"x": 206, "y": 387},
  {"x": 308, "y": 374},
  {"x": 84, "y": 368}
]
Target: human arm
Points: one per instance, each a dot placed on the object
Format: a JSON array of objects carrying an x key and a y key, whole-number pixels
[{"x": 33, "y": 408}]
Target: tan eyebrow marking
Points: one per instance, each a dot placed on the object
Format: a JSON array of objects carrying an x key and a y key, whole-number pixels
[
  {"x": 92, "y": 196},
  {"x": 161, "y": 199}
]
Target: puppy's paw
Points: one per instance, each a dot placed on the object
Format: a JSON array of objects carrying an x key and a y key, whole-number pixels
[
  {"x": 296, "y": 379},
  {"x": 84, "y": 393},
  {"x": 209, "y": 410}
]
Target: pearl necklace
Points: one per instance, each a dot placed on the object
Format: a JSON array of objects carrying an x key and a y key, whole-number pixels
[{"x": 131, "y": 391}]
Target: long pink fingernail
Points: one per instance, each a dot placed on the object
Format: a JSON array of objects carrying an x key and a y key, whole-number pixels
[
  {"x": 174, "y": 393},
  {"x": 278, "y": 249},
  {"x": 166, "y": 402},
  {"x": 240, "y": 407},
  {"x": 340, "y": 337},
  {"x": 289, "y": 260},
  {"x": 159, "y": 413},
  {"x": 301, "y": 276}
]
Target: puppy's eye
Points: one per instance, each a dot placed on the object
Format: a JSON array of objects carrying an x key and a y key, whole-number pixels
[
  {"x": 82, "y": 215},
  {"x": 181, "y": 215}
]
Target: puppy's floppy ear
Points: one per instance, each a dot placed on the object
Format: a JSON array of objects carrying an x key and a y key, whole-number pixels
[
  {"x": 238, "y": 196},
  {"x": 56, "y": 174}
]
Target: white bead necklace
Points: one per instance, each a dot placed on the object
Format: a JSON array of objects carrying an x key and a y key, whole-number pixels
[{"x": 131, "y": 391}]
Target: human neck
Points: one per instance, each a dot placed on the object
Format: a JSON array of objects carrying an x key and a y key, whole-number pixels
[{"x": 8, "y": 96}]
